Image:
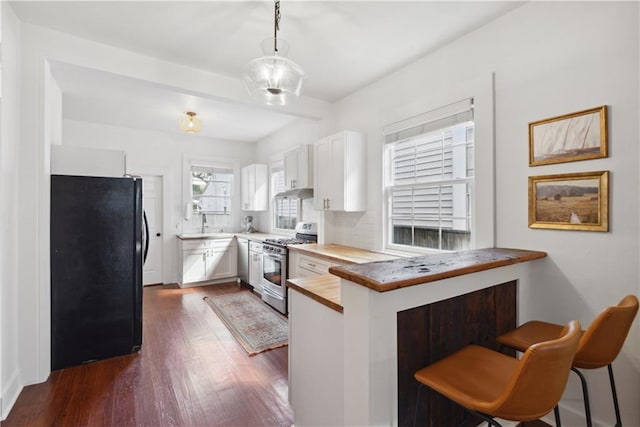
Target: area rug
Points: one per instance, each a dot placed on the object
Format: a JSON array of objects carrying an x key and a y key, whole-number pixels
[{"x": 256, "y": 326}]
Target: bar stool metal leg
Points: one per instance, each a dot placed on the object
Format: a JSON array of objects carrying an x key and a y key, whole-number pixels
[
  {"x": 615, "y": 396},
  {"x": 490, "y": 421},
  {"x": 556, "y": 414},
  {"x": 585, "y": 396}
]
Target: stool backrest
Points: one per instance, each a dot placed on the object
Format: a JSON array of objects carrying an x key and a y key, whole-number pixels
[
  {"x": 604, "y": 338},
  {"x": 539, "y": 381}
]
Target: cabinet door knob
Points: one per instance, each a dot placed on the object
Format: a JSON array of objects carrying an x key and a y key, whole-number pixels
[{"x": 158, "y": 234}]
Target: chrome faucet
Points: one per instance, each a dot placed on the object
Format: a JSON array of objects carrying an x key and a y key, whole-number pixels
[{"x": 204, "y": 221}]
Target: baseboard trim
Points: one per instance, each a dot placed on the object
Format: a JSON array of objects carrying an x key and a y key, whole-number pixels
[
  {"x": 208, "y": 282},
  {"x": 10, "y": 395}
]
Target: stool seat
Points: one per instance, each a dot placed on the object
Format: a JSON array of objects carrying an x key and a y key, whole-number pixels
[
  {"x": 530, "y": 333},
  {"x": 494, "y": 385},
  {"x": 599, "y": 344},
  {"x": 474, "y": 376}
]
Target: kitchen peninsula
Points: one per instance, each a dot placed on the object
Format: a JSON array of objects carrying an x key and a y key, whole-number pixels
[{"x": 387, "y": 319}]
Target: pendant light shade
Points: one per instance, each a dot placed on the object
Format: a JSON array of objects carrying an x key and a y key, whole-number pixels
[
  {"x": 190, "y": 123},
  {"x": 273, "y": 76}
]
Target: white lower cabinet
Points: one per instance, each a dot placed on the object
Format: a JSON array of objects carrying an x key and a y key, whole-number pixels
[
  {"x": 316, "y": 362},
  {"x": 255, "y": 266},
  {"x": 206, "y": 260},
  {"x": 312, "y": 266},
  {"x": 222, "y": 260},
  {"x": 302, "y": 265},
  {"x": 194, "y": 266}
]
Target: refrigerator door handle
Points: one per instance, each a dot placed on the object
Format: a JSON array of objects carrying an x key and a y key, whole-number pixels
[{"x": 146, "y": 237}]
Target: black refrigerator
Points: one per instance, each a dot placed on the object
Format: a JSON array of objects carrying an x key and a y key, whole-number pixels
[{"x": 97, "y": 250}]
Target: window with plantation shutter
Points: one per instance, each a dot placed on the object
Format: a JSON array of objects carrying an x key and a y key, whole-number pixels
[
  {"x": 285, "y": 209},
  {"x": 429, "y": 185}
]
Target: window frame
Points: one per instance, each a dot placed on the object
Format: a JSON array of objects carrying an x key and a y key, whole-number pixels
[
  {"x": 190, "y": 160},
  {"x": 229, "y": 196},
  {"x": 388, "y": 225}
]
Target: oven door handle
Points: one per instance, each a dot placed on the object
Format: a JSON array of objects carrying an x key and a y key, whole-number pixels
[
  {"x": 279, "y": 257},
  {"x": 272, "y": 293}
]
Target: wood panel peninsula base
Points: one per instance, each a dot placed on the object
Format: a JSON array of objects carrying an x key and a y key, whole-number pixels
[{"x": 356, "y": 367}]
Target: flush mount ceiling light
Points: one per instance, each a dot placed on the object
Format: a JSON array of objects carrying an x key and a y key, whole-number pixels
[
  {"x": 190, "y": 123},
  {"x": 273, "y": 76}
]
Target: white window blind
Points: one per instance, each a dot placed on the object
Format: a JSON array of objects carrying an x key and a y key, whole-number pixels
[
  {"x": 421, "y": 124},
  {"x": 285, "y": 209},
  {"x": 429, "y": 184},
  {"x": 277, "y": 177}
]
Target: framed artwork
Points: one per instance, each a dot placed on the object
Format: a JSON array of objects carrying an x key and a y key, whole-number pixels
[
  {"x": 573, "y": 201},
  {"x": 576, "y": 136}
]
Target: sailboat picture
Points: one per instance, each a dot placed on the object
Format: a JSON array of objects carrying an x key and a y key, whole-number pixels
[{"x": 568, "y": 138}]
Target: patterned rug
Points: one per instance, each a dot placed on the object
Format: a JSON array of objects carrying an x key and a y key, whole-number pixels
[{"x": 255, "y": 325}]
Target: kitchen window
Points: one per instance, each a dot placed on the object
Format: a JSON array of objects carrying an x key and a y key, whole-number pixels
[
  {"x": 285, "y": 208},
  {"x": 429, "y": 163},
  {"x": 212, "y": 193}
]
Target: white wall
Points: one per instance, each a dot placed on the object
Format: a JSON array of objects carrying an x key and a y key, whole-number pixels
[
  {"x": 549, "y": 58},
  {"x": 579, "y": 60},
  {"x": 10, "y": 382},
  {"x": 156, "y": 153}
]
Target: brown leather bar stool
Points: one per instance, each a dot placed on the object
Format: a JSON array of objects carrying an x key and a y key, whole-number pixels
[
  {"x": 599, "y": 345},
  {"x": 493, "y": 385}
]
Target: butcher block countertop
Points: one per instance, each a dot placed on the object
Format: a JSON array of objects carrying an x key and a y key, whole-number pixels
[
  {"x": 385, "y": 276},
  {"x": 324, "y": 289},
  {"x": 341, "y": 254}
]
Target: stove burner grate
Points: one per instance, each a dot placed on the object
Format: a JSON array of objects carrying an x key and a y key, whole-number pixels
[{"x": 287, "y": 241}]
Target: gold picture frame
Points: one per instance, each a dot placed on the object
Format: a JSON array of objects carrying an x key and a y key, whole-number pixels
[
  {"x": 576, "y": 136},
  {"x": 572, "y": 201}
]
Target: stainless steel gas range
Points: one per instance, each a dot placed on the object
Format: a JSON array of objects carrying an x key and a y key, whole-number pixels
[{"x": 275, "y": 268}]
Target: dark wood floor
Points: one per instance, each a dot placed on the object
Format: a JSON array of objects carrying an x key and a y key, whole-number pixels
[{"x": 190, "y": 372}]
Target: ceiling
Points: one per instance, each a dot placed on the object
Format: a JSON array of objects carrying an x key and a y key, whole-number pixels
[{"x": 342, "y": 46}]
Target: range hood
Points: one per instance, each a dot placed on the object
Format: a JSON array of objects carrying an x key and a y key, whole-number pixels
[{"x": 301, "y": 193}]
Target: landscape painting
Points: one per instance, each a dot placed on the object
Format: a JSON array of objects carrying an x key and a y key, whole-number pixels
[
  {"x": 568, "y": 138},
  {"x": 578, "y": 201}
]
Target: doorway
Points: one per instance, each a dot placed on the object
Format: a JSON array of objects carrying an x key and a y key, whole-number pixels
[{"x": 152, "y": 205}]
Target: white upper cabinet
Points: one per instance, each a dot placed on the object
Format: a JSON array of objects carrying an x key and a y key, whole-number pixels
[
  {"x": 340, "y": 173},
  {"x": 298, "y": 168},
  {"x": 254, "y": 187}
]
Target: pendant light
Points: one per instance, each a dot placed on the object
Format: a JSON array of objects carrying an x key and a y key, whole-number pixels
[
  {"x": 273, "y": 76},
  {"x": 190, "y": 123}
]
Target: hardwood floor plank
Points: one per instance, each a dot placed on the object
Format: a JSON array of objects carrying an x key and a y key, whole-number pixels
[{"x": 190, "y": 372}]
